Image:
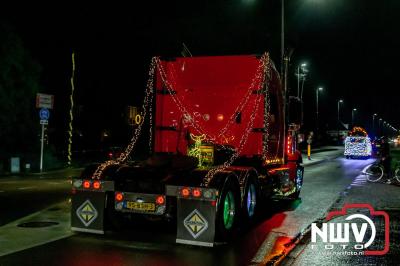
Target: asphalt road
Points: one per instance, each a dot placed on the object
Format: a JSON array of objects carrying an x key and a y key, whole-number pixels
[
  {"x": 154, "y": 243},
  {"x": 23, "y": 195}
]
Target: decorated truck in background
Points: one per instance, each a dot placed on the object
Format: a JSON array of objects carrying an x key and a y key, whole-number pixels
[
  {"x": 219, "y": 145},
  {"x": 357, "y": 144}
]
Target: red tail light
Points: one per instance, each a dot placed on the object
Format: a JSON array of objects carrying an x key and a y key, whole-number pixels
[
  {"x": 119, "y": 196},
  {"x": 160, "y": 200},
  {"x": 289, "y": 145},
  {"x": 96, "y": 184},
  {"x": 110, "y": 154},
  {"x": 86, "y": 184},
  {"x": 185, "y": 192},
  {"x": 196, "y": 193}
]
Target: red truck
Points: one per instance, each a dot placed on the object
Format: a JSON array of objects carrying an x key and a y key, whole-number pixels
[{"x": 220, "y": 144}]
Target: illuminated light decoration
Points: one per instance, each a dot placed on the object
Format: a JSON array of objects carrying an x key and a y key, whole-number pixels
[
  {"x": 220, "y": 117},
  {"x": 265, "y": 63},
  {"x": 196, "y": 193},
  {"x": 146, "y": 107},
  {"x": 119, "y": 196},
  {"x": 71, "y": 117},
  {"x": 242, "y": 142},
  {"x": 260, "y": 76},
  {"x": 196, "y": 151},
  {"x": 160, "y": 200},
  {"x": 358, "y": 131},
  {"x": 289, "y": 147},
  {"x": 274, "y": 161},
  {"x": 86, "y": 184},
  {"x": 185, "y": 192},
  {"x": 358, "y": 144}
]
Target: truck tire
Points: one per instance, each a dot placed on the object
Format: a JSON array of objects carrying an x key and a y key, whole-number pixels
[
  {"x": 298, "y": 182},
  {"x": 227, "y": 212},
  {"x": 250, "y": 199}
]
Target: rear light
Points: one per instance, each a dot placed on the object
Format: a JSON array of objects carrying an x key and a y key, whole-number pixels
[
  {"x": 119, "y": 196},
  {"x": 289, "y": 148},
  {"x": 160, "y": 200},
  {"x": 86, "y": 184},
  {"x": 96, "y": 184},
  {"x": 185, "y": 192},
  {"x": 196, "y": 193},
  {"x": 110, "y": 154}
]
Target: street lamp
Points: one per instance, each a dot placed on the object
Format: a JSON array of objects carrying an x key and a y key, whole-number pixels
[
  {"x": 301, "y": 66},
  {"x": 316, "y": 92},
  {"x": 352, "y": 116},
  {"x": 338, "y": 116}
]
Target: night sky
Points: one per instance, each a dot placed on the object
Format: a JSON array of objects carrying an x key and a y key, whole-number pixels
[{"x": 351, "y": 47}]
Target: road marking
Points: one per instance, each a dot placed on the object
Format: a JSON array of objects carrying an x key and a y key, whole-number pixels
[
  {"x": 54, "y": 183},
  {"x": 24, "y": 188},
  {"x": 359, "y": 181}
]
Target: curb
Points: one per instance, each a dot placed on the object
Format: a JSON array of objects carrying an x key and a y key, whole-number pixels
[{"x": 292, "y": 244}]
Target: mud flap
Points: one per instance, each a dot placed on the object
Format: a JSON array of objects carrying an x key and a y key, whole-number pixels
[
  {"x": 195, "y": 222},
  {"x": 87, "y": 211}
]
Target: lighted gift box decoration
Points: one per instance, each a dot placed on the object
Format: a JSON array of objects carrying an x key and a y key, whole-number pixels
[{"x": 357, "y": 144}]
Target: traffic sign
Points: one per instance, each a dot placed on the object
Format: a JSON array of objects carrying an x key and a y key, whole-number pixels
[
  {"x": 44, "y": 101},
  {"x": 44, "y": 114},
  {"x": 44, "y": 122}
]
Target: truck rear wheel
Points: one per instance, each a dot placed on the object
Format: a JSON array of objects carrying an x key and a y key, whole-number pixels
[
  {"x": 227, "y": 213},
  {"x": 250, "y": 199}
]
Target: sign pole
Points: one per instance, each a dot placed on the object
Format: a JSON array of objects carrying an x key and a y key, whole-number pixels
[{"x": 41, "y": 149}]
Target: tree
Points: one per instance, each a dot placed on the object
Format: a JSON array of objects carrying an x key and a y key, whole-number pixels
[{"x": 19, "y": 83}]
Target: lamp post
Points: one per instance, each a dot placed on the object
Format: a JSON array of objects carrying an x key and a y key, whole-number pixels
[
  {"x": 352, "y": 116},
  {"x": 316, "y": 92},
  {"x": 338, "y": 116},
  {"x": 379, "y": 126}
]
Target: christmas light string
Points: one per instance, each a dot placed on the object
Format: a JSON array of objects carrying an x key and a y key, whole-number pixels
[
  {"x": 71, "y": 117},
  {"x": 264, "y": 66},
  {"x": 145, "y": 107},
  {"x": 211, "y": 173}
]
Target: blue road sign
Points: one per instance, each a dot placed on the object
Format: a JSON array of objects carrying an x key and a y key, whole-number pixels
[{"x": 44, "y": 114}]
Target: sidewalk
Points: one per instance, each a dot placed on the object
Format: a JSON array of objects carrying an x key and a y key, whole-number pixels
[
  {"x": 322, "y": 154},
  {"x": 64, "y": 172}
]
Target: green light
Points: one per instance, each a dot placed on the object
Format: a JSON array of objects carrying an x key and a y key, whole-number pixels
[{"x": 229, "y": 210}]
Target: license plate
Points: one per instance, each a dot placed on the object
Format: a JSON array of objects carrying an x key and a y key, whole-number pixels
[{"x": 141, "y": 206}]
